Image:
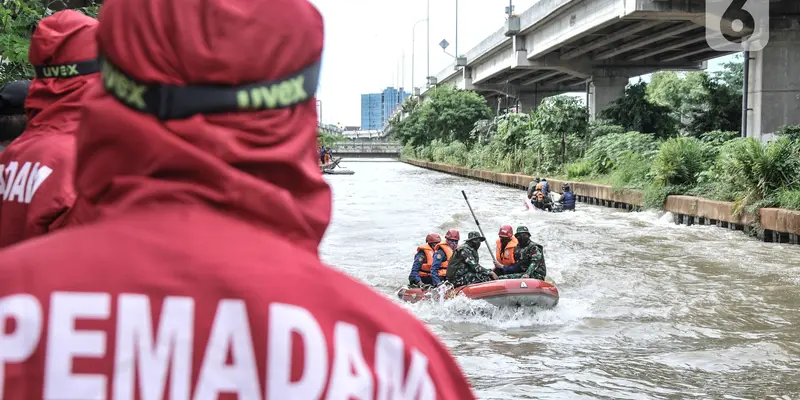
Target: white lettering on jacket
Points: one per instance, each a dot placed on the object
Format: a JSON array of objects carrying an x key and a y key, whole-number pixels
[
  {"x": 21, "y": 183},
  {"x": 153, "y": 354}
]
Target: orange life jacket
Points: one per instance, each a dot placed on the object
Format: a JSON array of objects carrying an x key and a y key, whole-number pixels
[
  {"x": 425, "y": 270},
  {"x": 538, "y": 186},
  {"x": 538, "y": 195},
  {"x": 448, "y": 252},
  {"x": 507, "y": 256}
]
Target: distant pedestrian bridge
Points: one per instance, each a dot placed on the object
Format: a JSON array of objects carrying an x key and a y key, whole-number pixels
[{"x": 367, "y": 150}]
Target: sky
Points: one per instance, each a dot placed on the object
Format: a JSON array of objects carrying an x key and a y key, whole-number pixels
[{"x": 368, "y": 45}]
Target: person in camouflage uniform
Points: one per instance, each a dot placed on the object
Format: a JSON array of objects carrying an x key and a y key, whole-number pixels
[
  {"x": 529, "y": 256},
  {"x": 464, "y": 268}
]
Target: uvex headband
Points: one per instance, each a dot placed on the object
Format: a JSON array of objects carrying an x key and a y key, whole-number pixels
[
  {"x": 69, "y": 70},
  {"x": 178, "y": 102}
]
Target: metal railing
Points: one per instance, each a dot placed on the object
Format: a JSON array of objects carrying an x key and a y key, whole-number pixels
[
  {"x": 375, "y": 148},
  {"x": 329, "y": 128}
]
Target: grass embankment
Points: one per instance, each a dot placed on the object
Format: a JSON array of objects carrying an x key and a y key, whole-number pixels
[
  {"x": 716, "y": 166},
  {"x": 691, "y": 148}
]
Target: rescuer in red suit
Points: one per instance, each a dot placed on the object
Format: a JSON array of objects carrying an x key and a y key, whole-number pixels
[
  {"x": 200, "y": 277},
  {"x": 37, "y": 170}
]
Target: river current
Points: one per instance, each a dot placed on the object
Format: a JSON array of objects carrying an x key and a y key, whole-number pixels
[{"x": 648, "y": 309}]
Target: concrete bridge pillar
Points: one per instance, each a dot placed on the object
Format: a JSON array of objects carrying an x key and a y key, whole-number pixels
[
  {"x": 466, "y": 74},
  {"x": 604, "y": 90},
  {"x": 774, "y": 86}
]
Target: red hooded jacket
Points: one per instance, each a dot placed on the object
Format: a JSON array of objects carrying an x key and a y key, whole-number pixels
[
  {"x": 37, "y": 169},
  {"x": 201, "y": 277}
]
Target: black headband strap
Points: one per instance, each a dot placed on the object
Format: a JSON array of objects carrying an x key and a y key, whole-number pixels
[
  {"x": 178, "y": 102},
  {"x": 69, "y": 70}
]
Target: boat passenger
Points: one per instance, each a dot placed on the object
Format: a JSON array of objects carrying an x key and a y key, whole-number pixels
[
  {"x": 12, "y": 111},
  {"x": 327, "y": 155},
  {"x": 532, "y": 186},
  {"x": 504, "y": 247},
  {"x": 423, "y": 260},
  {"x": 541, "y": 201},
  {"x": 529, "y": 257},
  {"x": 568, "y": 198},
  {"x": 545, "y": 188},
  {"x": 441, "y": 257},
  {"x": 464, "y": 268}
]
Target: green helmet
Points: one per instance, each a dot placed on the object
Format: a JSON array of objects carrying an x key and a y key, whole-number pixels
[
  {"x": 523, "y": 229},
  {"x": 475, "y": 236}
]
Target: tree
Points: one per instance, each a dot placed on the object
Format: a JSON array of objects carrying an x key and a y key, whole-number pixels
[
  {"x": 666, "y": 88},
  {"x": 328, "y": 139},
  {"x": 448, "y": 114},
  {"x": 561, "y": 116},
  {"x": 732, "y": 74},
  {"x": 409, "y": 105},
  {"x": 721, "y": 110},
  {"x": 635, "y": 113},
  {"x": 679, "y": 92},
  {"x": 18, "y": 19}
]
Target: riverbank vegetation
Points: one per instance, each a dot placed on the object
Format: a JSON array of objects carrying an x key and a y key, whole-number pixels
[
  {"x": 328, "y": 139},
  {"x": 679, "y": 134}
]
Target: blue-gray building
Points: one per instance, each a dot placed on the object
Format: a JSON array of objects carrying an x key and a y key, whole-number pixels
[
  {"x": 377, "y": 108},
  {"x": 371, "y": 111}
]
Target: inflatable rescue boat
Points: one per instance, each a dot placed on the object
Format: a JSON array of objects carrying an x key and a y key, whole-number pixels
[
  {"x": 501, "y": 293},
  {"x": 340, "y": 171}
]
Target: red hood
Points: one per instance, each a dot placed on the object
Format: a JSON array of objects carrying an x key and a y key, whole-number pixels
[
  {"x": 258, "y": 166},
  {"x": 62, "y": 38}
]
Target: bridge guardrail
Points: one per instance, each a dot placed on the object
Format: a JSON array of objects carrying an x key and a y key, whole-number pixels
[{"x": 393, "y": 148}]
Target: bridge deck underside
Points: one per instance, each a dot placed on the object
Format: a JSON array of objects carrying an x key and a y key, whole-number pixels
[{"x": 627, "y": 47}]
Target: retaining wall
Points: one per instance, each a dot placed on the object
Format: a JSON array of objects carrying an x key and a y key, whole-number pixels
[{"x": 777, "y": 224}]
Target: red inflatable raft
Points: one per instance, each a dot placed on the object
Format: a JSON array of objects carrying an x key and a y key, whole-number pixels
[{"x": 501, "y": 293}]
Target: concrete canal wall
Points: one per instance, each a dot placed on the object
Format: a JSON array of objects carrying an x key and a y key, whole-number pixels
[{"x": 778, "y": 225}]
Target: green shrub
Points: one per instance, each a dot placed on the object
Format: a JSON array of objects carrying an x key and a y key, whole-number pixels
[
  {"x": 454, "y": 153},
  {"x": 790, "y": 131},
  {"x": 679, "y": 161},
  {"x": 750, "y": 170},
  {"x": 604, "y": 152},
  {"x": 424, "y": 153},
  {"x": 719, "y": 137},
  {"x": 789, "y": 199},
  {"x": 631, "y": 171},
  {"x": 655, "y": 194},
  {"x": 600, "y": 128},
  {"x": 579, "y": 169}
]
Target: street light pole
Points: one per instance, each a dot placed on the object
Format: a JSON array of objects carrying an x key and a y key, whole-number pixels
[
  {"x": 456, "y": 28},
  {"x": 413, "y": 48},
  {"x": 319, "y": 104},
  {"x": 428, "y": 29}
]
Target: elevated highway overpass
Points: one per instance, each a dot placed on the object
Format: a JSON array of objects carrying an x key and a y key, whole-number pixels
[
  {"x": 367, "y": 150},
  {"x": 598, "y": 45}
]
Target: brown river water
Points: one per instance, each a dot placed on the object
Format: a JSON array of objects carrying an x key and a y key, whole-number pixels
[{"x": 648, "y": 310}]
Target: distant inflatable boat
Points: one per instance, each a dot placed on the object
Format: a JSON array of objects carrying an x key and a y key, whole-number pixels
[
  {"x": 501, "y": 293},
  {"x": 340, "y": 171}
]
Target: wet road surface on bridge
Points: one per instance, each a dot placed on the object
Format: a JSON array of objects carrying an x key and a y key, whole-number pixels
[{"x": 648, "y": 309}]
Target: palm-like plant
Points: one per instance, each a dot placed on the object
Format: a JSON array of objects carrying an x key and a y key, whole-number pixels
[{"x": 754, "y": 170}]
